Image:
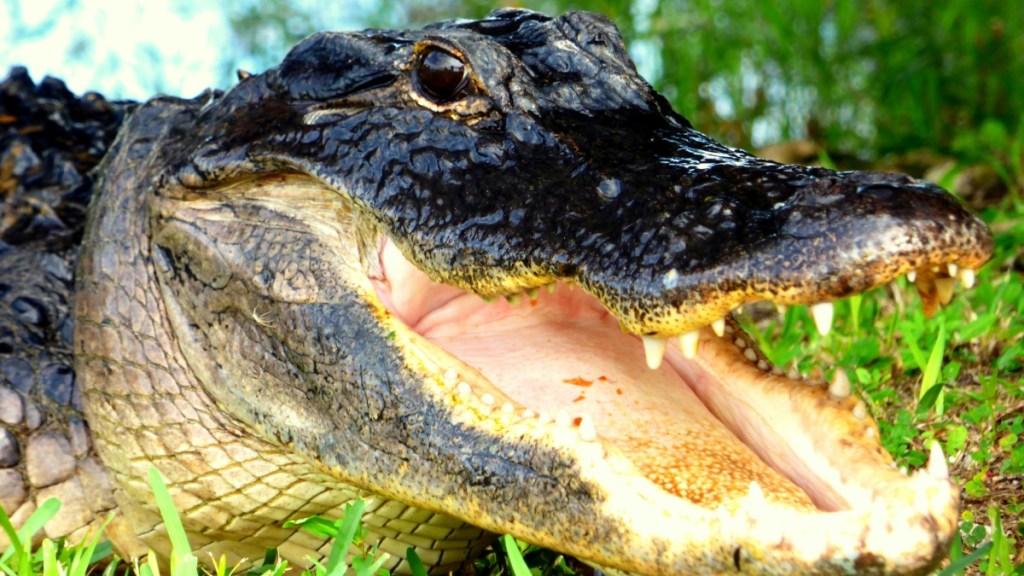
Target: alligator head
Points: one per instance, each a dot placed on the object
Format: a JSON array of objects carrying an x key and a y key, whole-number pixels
[{"x": 442, "y": 267}]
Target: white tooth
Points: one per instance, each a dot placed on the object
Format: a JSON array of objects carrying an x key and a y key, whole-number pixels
[
  {"x": 860, "y": 412},
  {"x": 529, "y": 413},
  {"x": 463, "y": 389},
  {"x": 587, "y": 431},
  {"x": 937, "y": 466},
  {"x": 562, "y": 419},
  {"x": 967, "y": 278},
  {"x": 755, "y": 501},
  {"x": 840, "y": 385},
  {"x": 654, "y": 348},
  {"x": 952, "y": 270},
  {"x": 793, "y": 373},
  {"x": 750, "y": 354},
  {"x": 508, "y": 408},
  {"x": 912, "y": 276},
  {"x": 719, "y": 327},
  {"x": 823, "y": 316},
  {"x": 544, "y": 417},
  {"x": 688, "y": 342},
  {"x": 781, "y": 308},
  {"x": 487, "y": 399},
  {"x": 944, "y": 289}
]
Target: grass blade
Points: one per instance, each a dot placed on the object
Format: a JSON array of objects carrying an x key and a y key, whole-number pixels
[
  {"x": 415, "y": 564},
  {"x": 349, "y": 524},
  {"x": 930, "y": 375},
  {"x": 175, "y": 531},
  {"x": 957, "y": 567},
  {"x": 515, "y": 557}
]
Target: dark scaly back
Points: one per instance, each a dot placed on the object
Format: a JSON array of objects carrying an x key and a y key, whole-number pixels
[{"x": 50, "y": 140}]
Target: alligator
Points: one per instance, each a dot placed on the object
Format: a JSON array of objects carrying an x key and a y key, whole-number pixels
[{"x": 480, "y": 275}]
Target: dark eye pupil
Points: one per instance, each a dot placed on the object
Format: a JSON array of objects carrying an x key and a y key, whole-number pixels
[{"x": 441, "y": 75}]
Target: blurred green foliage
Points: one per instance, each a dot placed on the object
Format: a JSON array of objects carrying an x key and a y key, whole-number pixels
[{"x": 861, "y": 78}]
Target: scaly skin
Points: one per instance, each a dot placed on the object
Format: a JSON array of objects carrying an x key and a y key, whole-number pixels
[{"x": 278, "y": 305}]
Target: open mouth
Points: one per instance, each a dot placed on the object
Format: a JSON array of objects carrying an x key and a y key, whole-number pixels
[{"x": 707, "y": 418}]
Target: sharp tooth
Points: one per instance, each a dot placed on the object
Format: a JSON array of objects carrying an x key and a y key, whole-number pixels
[
  {"x": 654, "y": 348},
  {"x": 912, "y": 276},
  {"x": 562, "y": 419},
  {"x": 840, "y": 385},
  {"x": 944, "y": 289},
  {"x": 755, "y": 502},
  {"x": 952, "y": 270},
  {"x": 967, "y": 278},
  {"x": 937, "y": 466},
  {"x": 688, "y": 342},
  {"x": 533, "y": 293},
  {"x": 513, "y": 299},
  {"x": 823, "y": 316},
  {"x": 781, "y": 308},
  {"x": 587, "y": 431},
  {"x": 719, "y": 327},
  {"x": 551, "y": 288}
]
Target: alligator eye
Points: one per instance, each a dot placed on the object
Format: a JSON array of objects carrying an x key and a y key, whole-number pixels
[{"x": 441, "y": 75}]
